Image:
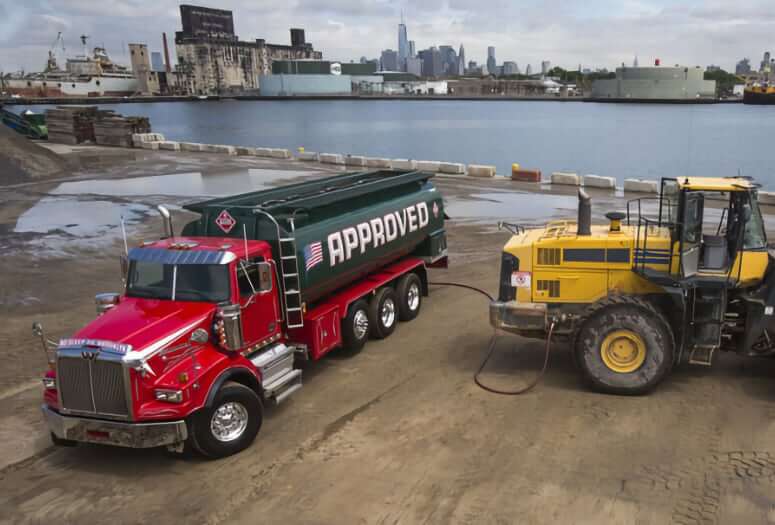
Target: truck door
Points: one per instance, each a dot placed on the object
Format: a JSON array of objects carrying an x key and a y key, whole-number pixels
[
  {"x": 691, "y": 233},
  {"x": 260, "y": 308}
]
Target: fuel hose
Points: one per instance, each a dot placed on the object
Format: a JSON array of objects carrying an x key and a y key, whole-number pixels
[{"x": 491, "y": 348}]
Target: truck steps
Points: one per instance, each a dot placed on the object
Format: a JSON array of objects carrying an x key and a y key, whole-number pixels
[
  {"x": 702, "y": 355},
  {"x": 276, "y": 367}
]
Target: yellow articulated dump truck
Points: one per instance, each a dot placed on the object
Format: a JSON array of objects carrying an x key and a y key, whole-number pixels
[{"x": 674, "y": 279}]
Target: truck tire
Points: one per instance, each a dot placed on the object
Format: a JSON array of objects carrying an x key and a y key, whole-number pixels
[
  {"x": 383, "y": 312},
  {"x": 624, "y": 346},
  {"x": 409, "y": 294},
  {"x": 356, "y": 327},
  {"x": 230, "y": 424}
]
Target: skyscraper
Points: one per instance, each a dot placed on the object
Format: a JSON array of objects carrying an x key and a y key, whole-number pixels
[
  {"x": 389, "y": 60},
  {"x": 743, "y": 67},
  {"x": 448, "y": 60},
  {"x": 403, "y": 45},
  {"x": 461, "y": 61},
  {"x": 545, "y": 67},
  {"x": 431, "y": 62},
  {"x": 412, "y": 50},
  {"x": 491, "y": 64}
]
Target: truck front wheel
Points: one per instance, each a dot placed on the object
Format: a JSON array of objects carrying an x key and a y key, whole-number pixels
[
  {"x": 355, "y": 327},
  {"x": 230, "y": 424}
]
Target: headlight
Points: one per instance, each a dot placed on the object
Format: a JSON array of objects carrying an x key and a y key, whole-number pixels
[
  {"x": 49, "y": 383},
  {"x": 170, "y": 396}
]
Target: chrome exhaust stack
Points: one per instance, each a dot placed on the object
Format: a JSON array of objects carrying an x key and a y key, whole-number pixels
[{"x": 167, "y": 220}]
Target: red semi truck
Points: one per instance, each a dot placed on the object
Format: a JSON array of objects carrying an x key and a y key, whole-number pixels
[{"x": 213, "y": 322}]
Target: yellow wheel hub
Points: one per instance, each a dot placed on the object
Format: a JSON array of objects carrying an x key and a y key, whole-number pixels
[{"x": 623, "y": 351}]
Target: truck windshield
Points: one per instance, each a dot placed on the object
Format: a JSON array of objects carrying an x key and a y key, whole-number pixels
[{"x": 181, "y": 282}]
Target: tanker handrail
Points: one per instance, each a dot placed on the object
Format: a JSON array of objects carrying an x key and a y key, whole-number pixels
[
  {"x": 312, "y": 194},
  {"x": 279, "y": 266}
]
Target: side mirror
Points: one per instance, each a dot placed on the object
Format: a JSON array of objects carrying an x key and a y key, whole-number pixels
[
  {"x": 124, "y": 263},
  {"x": 199, "y": 336},
  {"x": 105, "y": 301},
  {"x": 264, "y": 277}
]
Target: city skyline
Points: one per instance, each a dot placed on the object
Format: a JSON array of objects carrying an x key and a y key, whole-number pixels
[{"x": 691, "y": 33}]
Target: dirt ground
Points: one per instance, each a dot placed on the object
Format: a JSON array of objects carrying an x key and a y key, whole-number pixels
[{"x": 398, "y": 433}]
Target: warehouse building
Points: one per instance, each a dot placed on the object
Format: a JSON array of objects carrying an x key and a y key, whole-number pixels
[
  {"x": 655, "y": 83},
  {"x": 213, "y": 61}
]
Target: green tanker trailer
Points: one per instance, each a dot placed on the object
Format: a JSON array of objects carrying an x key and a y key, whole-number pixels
[{"x": 212, "y": 322}]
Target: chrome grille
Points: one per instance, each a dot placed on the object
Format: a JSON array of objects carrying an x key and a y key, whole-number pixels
[{"x": 93, "y": 386}]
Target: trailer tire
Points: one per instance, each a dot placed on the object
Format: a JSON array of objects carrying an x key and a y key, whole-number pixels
[
  {"x": 409, "y": 292},
  {"x": 625, "y": 346},
  {"x": 230, "y": 424},
  {"x": 383, "y": 313},
  {"x": 355, "y": 327}
]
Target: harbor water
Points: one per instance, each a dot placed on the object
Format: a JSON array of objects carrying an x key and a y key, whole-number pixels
[{"x": 618, "y": 140}]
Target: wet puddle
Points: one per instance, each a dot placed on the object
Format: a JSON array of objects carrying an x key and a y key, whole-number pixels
[{"x": 89, "y": 212}]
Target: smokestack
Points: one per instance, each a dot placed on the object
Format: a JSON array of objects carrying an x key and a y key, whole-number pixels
[
  {"x": 585, "y": 214},
  {"x": 166, "y": 53}
]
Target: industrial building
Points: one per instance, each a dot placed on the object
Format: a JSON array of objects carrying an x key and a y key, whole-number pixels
[
  {"x": 213, "y": 61},
  {"x": 655, "y": 83}
]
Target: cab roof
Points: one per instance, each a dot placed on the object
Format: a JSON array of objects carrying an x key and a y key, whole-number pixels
[
  {"x": 716, "y": 184},
  {"x": 198, "y": 250}
]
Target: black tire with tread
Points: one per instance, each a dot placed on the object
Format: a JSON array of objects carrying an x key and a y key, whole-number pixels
[
  {"x": 350, "y": 342},
  {"x": 404, "y": 312},
  {"x": 200, "y": 435},
  {"x": 639, "y": 316},
  {"x": 378, "y": 328}
]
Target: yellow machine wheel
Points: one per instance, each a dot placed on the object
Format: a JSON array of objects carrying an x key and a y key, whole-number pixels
[
  {"x": 623, "y": 351},
  {"x": 624, "y": 345}
]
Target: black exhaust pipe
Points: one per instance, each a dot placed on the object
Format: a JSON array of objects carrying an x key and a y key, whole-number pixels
[{"x": 585, "y": 214}]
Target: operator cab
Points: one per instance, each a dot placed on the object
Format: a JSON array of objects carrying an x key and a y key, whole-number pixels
[{"x": 711, "y": 222}]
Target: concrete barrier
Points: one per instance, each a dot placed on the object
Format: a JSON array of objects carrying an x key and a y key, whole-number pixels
[
  {"x": 767, "y": 198},
  {"x": 428, "y": 165},
  {"x": 525, "y": 175},
  {"x": 355, "y": 160},
  {"x": 309, "y": 156},
  {"x": 169, "y": 145},
  {"x": 376, "y": 162},
  {"x": 263, "y": 152},
  {"x": 139, "y": 138},
  {"x": 219, "y": 148},
  {"x": 598, "y": 181},
  {"x": 453, "y": 168},
  {"x": 331, "y": 158},
  {"x": 565, "y": 178},
  {"x": 245, "y": 151},
  {"x": 279, "y": 153},
  {"x": 150, "y": 145},
  {"x": 641, "y": 186},
  {"x": 403, "y": 164},
  {"x": 479, "y": 170},
  {"x": 191, "y": 146}
]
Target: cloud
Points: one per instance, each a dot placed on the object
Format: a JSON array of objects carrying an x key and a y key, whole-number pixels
[{"x": 567, "y": 32}]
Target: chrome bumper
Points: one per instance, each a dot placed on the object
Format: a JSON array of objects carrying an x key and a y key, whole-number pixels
[
  {"x": 517, "y": 317},
  {"x": 133, "y": 435}
]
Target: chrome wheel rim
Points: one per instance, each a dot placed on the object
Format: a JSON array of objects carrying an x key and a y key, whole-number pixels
[
  {"x": 360, "y": 324},
  {"x": 388, "y": 313},
  {"x": 413, "y": 297},
  {"x": 229, "y": 421}
]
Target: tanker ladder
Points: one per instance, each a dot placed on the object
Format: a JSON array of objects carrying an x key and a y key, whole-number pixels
[{"x": 291, "y": 281}]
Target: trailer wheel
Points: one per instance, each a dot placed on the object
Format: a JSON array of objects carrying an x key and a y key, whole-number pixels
[
  {"x": 231, "y": 424},
  {"x": 356, "y": 327},
  {"x": 624, "y": 347},
  {"x": 409, "y": 292},
  {"x": 383, "y": 312}
]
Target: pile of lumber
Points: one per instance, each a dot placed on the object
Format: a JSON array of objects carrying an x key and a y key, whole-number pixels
[
  {"x": 116, "y": 130},
  {"x": 71, "y": 124},
  {"x": 78, "y": 124}
]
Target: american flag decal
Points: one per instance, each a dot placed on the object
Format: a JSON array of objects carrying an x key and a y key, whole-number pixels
[{"x": 313, "y": 255}]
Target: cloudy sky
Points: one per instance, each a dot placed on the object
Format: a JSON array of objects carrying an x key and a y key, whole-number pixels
[{"x": 595, "y": 33}]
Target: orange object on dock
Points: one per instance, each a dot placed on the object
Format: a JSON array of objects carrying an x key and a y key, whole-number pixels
[{"x": 525, "y": 175}]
